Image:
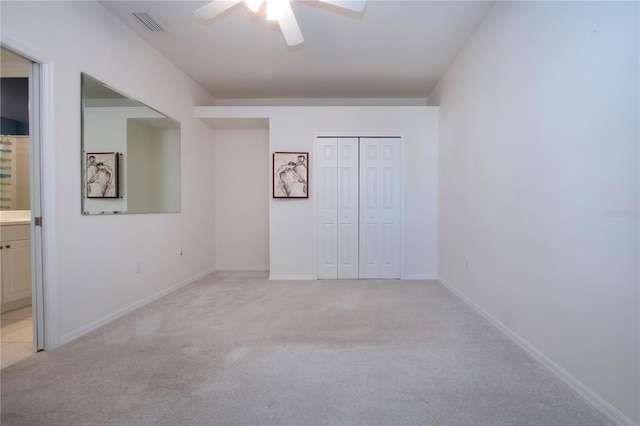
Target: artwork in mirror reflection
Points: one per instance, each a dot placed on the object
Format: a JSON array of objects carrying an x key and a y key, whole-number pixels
[
  {"x": 139, "y": 149},
  {"x": 101, "y": 174}
]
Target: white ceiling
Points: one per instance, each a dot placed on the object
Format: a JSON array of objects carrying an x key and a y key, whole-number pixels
[{"x": 394, "y": 49}]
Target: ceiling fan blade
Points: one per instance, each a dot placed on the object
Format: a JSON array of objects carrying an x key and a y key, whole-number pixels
[
  {"x": 354, "y": 5},
  {"x": 289, "y": 26},
  {"x": 214, "y": 8}
]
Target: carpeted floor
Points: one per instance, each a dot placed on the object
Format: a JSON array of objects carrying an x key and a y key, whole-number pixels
[{"x": 237, "y": 349}]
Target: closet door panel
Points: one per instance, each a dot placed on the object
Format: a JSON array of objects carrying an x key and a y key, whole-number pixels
[
  {"x": 391, "y": 207},
  {"x": 348, "y": 188},
  {"x": 327, "y": 208},
  {"x": 370, "y": 197}
]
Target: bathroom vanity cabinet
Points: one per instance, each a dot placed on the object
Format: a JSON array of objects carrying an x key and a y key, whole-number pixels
[{"x": 15, "y": 266}]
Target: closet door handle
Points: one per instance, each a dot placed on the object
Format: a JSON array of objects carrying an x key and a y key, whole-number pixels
[{"x": 8, "y": 246}]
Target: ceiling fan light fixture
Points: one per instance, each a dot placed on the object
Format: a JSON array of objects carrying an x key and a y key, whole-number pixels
[
  {"x": 254, "y": 5},
  {"x": 276, "y": 9}
]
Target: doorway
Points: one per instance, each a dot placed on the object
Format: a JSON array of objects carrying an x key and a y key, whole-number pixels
[
  {"x": 359, "y": 207},
  {"x": 21, "y": 277}
]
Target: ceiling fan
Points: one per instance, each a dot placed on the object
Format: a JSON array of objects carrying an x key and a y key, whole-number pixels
[{"x": 277, "y": 10}]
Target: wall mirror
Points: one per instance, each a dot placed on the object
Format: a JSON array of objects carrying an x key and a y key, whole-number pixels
[{"x": 130, "y": 154}]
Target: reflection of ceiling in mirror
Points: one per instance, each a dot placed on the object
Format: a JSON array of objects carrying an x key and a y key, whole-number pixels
[
  {"x": 94, "y": 89},
  {"x": 95, "y": 93}
]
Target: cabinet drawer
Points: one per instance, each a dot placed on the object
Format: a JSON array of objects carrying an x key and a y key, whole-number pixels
[{"x": 15, "y": 232}]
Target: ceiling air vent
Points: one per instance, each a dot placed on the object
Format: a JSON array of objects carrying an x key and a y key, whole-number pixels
[{"x": 149, "y": 23}]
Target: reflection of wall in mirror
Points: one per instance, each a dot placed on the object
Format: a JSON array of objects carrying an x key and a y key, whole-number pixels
[
  {"x": 139, "y": 163},
  {"x": 105, "y": 131},
  {"x": 150, "y": 162},
  {"x": 153, "y": 168}
]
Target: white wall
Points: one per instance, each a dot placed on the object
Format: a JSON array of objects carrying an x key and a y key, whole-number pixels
[
  {"x": 291, "y": 221},
  {"x": 167, "y": 170},
  {"x": 539, "y": 184},
  {"x": 242, "y": 189},
  {"x": 152, "y": 168},
  {"x": 94, "y": 256}
]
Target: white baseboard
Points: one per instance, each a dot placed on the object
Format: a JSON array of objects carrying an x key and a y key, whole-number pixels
[
  {"x": 16, "y": 304},
  {"x": 420, "y": 277},
  {"x": 242, "y": 268},
  {"x": 576, "y": 385},
  {"x": 72, "y": 335},
  {"x": 311, "y": 277},
  {"x": 291, "y": 277}
]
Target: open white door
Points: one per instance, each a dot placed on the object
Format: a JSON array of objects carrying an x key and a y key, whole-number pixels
[{"x": 37, "y": 261}]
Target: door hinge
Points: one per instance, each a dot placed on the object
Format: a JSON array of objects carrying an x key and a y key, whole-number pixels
[{"x": 38, "y": 221}]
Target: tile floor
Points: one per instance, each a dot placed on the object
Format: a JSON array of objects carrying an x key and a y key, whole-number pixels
[{"x": 16, "y": 336}]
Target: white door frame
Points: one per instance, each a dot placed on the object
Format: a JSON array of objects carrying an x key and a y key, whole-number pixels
[
  {"x": 315, "y": 187},
  {"x": 42, "y": 174}
]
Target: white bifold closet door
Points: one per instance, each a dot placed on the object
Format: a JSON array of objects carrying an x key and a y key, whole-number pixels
[
  {"x": 338, "y": 208},
  {"x": 359, "y": 207},
  {"x": 380, "y": 207}
]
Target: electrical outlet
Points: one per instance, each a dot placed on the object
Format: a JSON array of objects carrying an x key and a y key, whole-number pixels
[
  {"x": 468, "y": 264},
  {"x": 138, "y": 267}
]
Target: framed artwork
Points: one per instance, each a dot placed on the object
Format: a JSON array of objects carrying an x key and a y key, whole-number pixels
[
  {"x": 101, "y": 174},
  {"x": 290, "y": 175}
]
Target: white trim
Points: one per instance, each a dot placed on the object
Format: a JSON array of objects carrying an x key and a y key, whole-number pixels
[
  {"x": 318, "y": 102},
  {"x": 242, "y": 268},
  {"x": 48, "y": 195},
  {"x": 267, "y": 112},
  {"x": 314, "y": 177},
  {"x": 36, "y": 232},
  {"x": 592, "y": 398},
  {"x": 403, "y": 207},
  {"x": 420, "y": 277},
  {"x": 46, "y": 115},
  {"x": 291, "y": 277},
  {"x": 436, "y": 230},
  {"x": 72, "y": 335},
  {"x": 24, "y": 50},
  {"x": 361, "y": 134}
]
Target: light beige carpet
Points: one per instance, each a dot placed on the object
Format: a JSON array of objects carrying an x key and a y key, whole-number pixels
[{"x": 237, "y": 349}]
